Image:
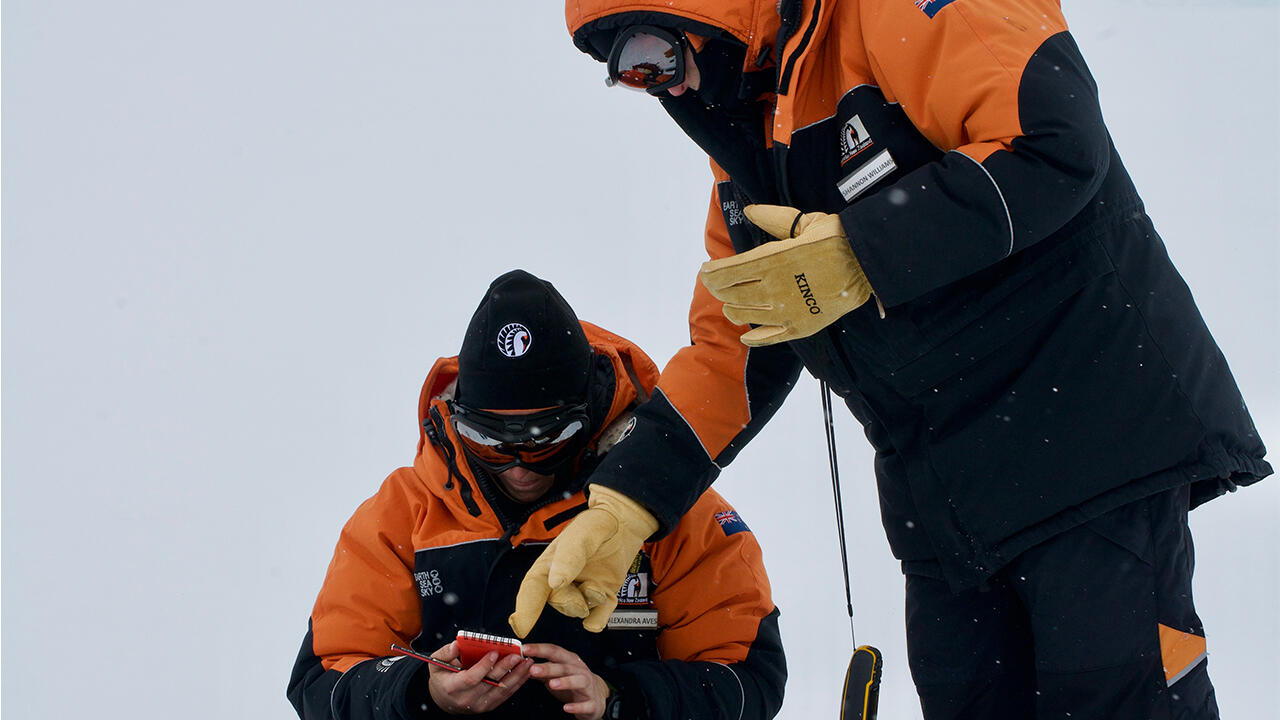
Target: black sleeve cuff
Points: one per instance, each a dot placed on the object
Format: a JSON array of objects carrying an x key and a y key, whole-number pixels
[
  {"x": 633, "y": 705},
  {"x": 661, "y": 464}
]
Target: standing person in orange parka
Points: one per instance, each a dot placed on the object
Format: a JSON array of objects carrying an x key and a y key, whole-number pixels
[
  {"x": 510, "y": 428},
  {"x": 918, "y": 202}
]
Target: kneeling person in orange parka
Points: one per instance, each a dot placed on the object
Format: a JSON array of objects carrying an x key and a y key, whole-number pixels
[{"x": 510, "y": 429}]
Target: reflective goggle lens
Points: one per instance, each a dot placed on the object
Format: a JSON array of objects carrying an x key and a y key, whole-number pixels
[
  {"x": 537, "y": 439},
  {"x": 539, "y": 443},
  {"x": 507, "y": 455},
  {"x": 646, "y": 59}
]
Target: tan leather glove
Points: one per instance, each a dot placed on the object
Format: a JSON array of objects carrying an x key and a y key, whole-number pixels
[
  {"x": 581, "y": 571},
  {"x": 791, "y": 288}
]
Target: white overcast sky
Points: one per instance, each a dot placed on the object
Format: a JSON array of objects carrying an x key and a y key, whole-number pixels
[{"x": 237, "y": 234}]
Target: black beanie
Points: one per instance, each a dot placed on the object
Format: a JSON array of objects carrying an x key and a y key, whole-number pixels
[{"x": 524, "y": 349}]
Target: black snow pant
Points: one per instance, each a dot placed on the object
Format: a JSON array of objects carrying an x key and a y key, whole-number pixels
[{"x": 1096, "y": 623}]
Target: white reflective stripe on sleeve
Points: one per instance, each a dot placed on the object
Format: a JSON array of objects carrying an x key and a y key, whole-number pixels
[
  {"x": 674, "y": 409},
  {"x": 1000, "y": 194},
  {"x": 742, "y": 693}
]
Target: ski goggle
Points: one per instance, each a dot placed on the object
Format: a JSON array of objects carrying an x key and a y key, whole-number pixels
[
  {"x": 540, "y": 441},
  {"x": 646, "y": 58}
]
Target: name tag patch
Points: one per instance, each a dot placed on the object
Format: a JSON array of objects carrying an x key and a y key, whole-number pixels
[
  {"x": 630, "y": 619},
  {"x": 857, "y": 182}
]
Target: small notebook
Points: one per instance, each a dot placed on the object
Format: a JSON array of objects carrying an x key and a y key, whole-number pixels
[{"x": 472, "y": 646}]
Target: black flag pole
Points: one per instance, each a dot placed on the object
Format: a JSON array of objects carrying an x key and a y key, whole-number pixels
[{"x": 861, "y": 697}]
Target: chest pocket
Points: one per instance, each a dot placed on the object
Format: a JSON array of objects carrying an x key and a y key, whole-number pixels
[
  {"x": 444, "y": 578},
  {"x": 866, "y": 146},
  {"x": 472, "y": 586}
]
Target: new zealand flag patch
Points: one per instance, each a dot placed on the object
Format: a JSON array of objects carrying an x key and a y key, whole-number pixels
[
  {"x": 730, "y": 523},
  {"x": 931, "y": 7}
]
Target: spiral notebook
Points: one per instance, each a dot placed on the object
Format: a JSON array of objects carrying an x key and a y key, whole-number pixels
[{"x": 472, "y": 646}]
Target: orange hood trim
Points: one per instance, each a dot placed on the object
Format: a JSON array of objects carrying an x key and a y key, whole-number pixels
[{"x": 754, "y": 23}]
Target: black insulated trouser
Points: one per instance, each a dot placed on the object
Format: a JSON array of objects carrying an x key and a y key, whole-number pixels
[{"x": 1096, "y": 623}]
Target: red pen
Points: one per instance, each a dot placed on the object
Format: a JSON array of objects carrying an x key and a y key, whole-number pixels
[{"x": 439, "y": 663}]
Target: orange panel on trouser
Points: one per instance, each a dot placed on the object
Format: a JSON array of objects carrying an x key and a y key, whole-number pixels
[{"x": 1180, "y": 652}]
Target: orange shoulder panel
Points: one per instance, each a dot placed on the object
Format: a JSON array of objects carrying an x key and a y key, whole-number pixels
[
  {"x": 957, "y": 74},
  {"x": 710, "y": 548},
  {"x": 368, "y": 600}
]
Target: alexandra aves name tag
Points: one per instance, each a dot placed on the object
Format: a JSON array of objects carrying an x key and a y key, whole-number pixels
[{"x": 625, "y": 619}]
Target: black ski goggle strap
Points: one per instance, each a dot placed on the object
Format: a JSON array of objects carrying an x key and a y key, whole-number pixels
[
  {"x": 646, "y": 58},
  {"x": 540, "y": 441}
]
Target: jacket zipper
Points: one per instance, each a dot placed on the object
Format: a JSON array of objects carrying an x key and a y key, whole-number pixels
[
  {"x": 784, "y": 79},
  {"x": 510, "y": 527},
  {"x": 780, "y": 151}
]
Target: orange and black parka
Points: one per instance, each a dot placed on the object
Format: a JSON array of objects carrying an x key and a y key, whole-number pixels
[
  {"x": 438, "y": 549},
  {"x": 1039, "y": 360}
]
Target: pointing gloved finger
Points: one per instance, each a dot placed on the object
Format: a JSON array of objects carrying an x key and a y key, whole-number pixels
[
  {"x": 596, "y": 594},
  {"x": 568, "y": 600},
  {"x": 530, "y": 599},
  {"x": 599, "y": 616},
  {"x": 577, "y": 545}
]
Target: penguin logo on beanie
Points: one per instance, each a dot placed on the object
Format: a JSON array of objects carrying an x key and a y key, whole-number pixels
[{"x": 514, "y": 340}]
